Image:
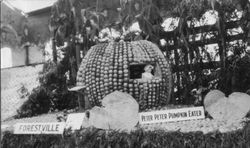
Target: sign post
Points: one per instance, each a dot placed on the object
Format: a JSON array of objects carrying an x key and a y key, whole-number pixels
[{"x": 75, "y": 120}]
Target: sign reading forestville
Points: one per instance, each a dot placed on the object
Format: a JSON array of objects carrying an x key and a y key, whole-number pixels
[
  {"x": 172, "y": 115},
  {"x": 39, "y": 128}
]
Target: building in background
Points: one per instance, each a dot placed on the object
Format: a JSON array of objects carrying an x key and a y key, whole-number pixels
[
  {"x": 21, "y": 27},
  {"x": 24, "y": 32}
]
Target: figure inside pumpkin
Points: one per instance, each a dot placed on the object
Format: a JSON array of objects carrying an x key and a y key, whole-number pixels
[{"x": 147, "y": 75}]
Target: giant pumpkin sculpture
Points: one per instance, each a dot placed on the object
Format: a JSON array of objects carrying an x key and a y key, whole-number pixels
[{"x": 118, "y": 66}]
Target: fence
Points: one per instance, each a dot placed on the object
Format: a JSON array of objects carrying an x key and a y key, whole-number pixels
[{"x": 190, "y": 57}]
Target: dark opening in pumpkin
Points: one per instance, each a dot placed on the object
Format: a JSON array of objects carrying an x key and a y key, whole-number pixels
[{"x": 136, "y": 70}]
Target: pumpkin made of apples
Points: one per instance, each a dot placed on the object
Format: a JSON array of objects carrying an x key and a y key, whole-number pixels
[{"x": 108, "y": 67}]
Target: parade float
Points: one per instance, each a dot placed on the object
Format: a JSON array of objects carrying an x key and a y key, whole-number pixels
[
  {"x": 114, "y": 120},
  {"x": 126, "y": 88}
]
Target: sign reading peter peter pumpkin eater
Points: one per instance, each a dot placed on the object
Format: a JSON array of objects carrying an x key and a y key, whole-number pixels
[{"x": 172, "y": 115}]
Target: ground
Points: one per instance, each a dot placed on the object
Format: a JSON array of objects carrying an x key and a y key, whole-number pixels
[{"x": 16, "y": 83}]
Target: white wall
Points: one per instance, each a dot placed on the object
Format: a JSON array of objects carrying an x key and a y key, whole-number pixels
[{"x": 6, "y": 57}]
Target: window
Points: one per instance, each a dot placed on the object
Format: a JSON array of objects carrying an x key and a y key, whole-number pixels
[{"x": 136, "y": 70}]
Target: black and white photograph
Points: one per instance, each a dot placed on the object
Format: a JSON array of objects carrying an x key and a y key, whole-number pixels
[{"x": 125, "y": 73}]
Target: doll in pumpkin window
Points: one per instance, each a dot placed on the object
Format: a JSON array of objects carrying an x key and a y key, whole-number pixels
[{"x": 147, "y": 75}]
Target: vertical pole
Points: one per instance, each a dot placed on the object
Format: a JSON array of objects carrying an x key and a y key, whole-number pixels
[
  {"x": 83, "y": 100},
  {"x": 186, "y": 79},
  {"x": 86, "y": 101},
  {"x": 80, "y": 98},
  {"x": 177, "y": 61},
  {"x": 27, "y": 54},
  {"x": 78, "y": 58},
  {"x": 222, "y": 50}
]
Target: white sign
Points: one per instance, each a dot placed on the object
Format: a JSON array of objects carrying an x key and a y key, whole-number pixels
[
  {"x": 74, "y": 121},
  {"x": 39, "y": 128},
  {"x": 172, "y": 115}
]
